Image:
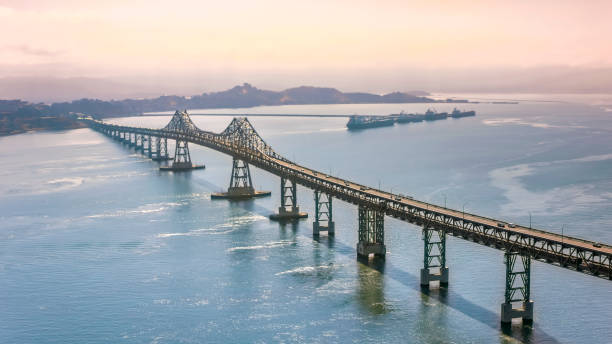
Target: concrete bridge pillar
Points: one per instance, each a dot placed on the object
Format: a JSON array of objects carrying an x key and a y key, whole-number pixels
[
  {"x": 371, "y": 232},
  {"x": 288, "y": 209},
  {"x": 434, "y": 257},
  {"x": 323, "y": 214},
  {"x": 241, "y": 184},
  {"x": 518, "y": 283},
  {"x": 182, "y": 159}
]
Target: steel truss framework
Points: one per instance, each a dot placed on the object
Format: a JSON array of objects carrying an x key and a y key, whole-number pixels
[
  {"x": 323, "y": 213},
  {"x": 371, "y": 226},
  {"x": 181, "y": 153},
  {"x": 139, "y": 142},
  {"x": 434, "y": 250},
  {"x": 288, "y": 195},
  {"x": 241, "y": 177},
  {"x": 241, "y": 140},
  {"x": 147, "y": 146},
  {"x": 161, "y": 149},
  {"x": 518, "y": 281}
]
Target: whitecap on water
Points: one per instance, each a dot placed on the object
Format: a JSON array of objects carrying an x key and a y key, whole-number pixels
[
  {"x": 143, "y": 209},
  {"x": 224, "y": 228},
  {"x": 308, "y": 270},
  {"x": 272, "y": 244}
]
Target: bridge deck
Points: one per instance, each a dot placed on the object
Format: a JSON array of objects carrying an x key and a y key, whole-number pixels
[
  {"x": 242, "y": 141},
  {"x": 408, "y": 201}
]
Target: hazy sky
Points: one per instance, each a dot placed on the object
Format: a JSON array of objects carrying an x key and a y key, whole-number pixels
[{"x": 137, "y": 38}]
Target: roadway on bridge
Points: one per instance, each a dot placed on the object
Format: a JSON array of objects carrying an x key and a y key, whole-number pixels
[{"x": 569, "y": 241}]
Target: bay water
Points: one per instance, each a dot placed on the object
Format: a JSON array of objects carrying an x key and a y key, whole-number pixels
[{"x": 98, "y": 246}]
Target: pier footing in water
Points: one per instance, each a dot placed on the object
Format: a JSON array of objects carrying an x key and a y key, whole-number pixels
[
  {"x": 181, "y": 167},
  {"x": 287, "y": 215}
]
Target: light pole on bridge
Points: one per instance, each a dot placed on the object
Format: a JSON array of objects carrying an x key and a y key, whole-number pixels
[
  {"x": 463, "y": 212},
  {"x": 529, "y": 220},
  {"x": 562, "y": 228}
]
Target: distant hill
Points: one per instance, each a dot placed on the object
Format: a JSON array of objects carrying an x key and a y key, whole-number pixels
[
  {"x": 18, "y": 116},
  {"x": 236, "y": 97}
]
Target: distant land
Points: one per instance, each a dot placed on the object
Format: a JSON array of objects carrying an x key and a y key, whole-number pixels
[{"x": 17, "y": 116}]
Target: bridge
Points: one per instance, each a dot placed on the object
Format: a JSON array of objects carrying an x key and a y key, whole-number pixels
[{"x": 241, "y": 141}]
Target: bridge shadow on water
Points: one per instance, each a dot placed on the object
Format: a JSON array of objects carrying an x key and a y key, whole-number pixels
[
  {"x": 374, "y": 299},
  {"x": 518, "y": 331}
]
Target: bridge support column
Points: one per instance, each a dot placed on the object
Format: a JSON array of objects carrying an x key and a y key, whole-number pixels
[
  {"x": 241, "y": 184},
  {"x": 371, "y": 232},
  {"x": 434, "y": 256},
  {"x": 161, "y": 149},
  {"x": 518, "y": 280},
  {"x": 146, "y": 145},
  {"x": 139, "y": 138},
  {"x": 288, "y": 209},
  {"x": 323, "y": 214},
  {"x": 182, "y": 159},
  {"x": 132, "y": 139}
]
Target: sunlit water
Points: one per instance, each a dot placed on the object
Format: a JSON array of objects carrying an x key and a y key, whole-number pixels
[{"x": 97, "y": 246}]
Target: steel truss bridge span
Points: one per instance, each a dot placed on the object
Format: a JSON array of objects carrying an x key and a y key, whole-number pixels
[{"x": 241, "y": 141}]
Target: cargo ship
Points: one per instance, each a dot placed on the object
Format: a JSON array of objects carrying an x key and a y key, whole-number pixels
[
  {"x": 457, "y": 114},
  {"x": 432, "y": 115},
  {"x": 407, "y": 118},
  {"x": 364, "y": 122}
]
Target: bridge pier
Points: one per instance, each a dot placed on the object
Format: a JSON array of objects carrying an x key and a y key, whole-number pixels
[
  {"x": 161, "y": 149},
  {"x": 434, "y": 256},
  {"x": 518, "y": 282},
  {"x": 371, "y": 232},
  {"x": 182, "y": 159},
  {"x": 288, "y": 209},
  {"x": 139, "y": 138},
  {"x": 146, "y": 146},
  {"x": 323, "y": 214},
  {"x": 132, "y": 142},
  {"x": 241, "y": 185}
]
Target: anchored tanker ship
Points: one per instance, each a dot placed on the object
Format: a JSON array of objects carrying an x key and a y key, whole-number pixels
[
  {"x": 457, "y": 114},
  {"x": 363, "y": 122}
]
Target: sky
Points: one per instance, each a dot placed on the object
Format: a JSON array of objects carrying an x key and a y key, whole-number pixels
[{"x": 279, "y": 44}]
